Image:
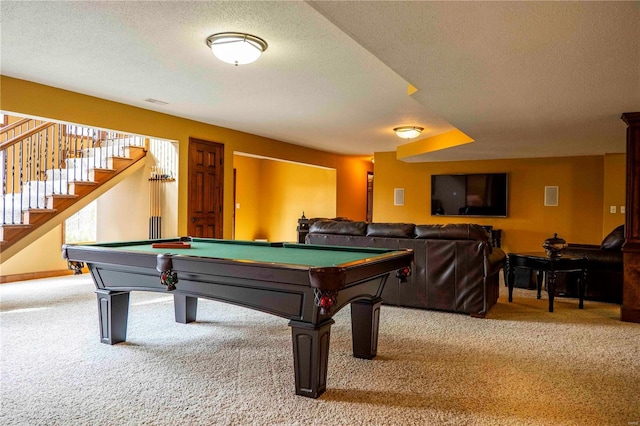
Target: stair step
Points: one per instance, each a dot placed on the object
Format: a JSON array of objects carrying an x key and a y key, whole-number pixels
[
  {"x": 82, "y": 188},
  {"x": 112, "y": 148},
  {"x": 88, "y": 163},
  {"x": 11, "y": 208},
  {"x": 38, "y": 216},
  {"x": 46, "y": 187},
  {"x": 101, "y": 175},
  {"x": 58, "y": 174},
  {"x": 136, "y": 152},
  {"x": 69, "y": 174},
  {"x": 89, "y": 173},
  {"x": 21, "y": 201},
  {"x": 123, "y": 141},
  {"x": 120, "y": 163},
  {"x": 28, "y": 200},
  {"x": 60, "y": 201},
  {"x": 10, "y": 232}
]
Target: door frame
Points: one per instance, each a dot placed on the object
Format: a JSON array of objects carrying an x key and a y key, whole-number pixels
[{"x": 190, "y": 201}]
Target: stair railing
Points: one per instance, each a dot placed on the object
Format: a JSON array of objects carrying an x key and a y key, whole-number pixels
[{"x": 39, "y": 159}]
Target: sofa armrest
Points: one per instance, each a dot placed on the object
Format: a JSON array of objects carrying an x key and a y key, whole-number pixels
[
  {"x": 583, "y": 246},
  {"x": 495, "y": 261},
  {"x": 596, "y": 257}
]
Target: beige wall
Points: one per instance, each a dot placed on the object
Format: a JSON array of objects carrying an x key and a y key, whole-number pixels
[
  {"x": 123, "y": 211},
  {"x": 43, "y": 255},
  {"x": 578, "y": 218}
]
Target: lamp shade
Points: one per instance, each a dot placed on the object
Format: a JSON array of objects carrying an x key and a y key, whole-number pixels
[
  {"x": 408, "y": 132},
  {"x": 236, "y": 48}
]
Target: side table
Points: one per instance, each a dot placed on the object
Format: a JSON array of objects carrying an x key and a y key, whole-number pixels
[{"x": 550, "y": 266}]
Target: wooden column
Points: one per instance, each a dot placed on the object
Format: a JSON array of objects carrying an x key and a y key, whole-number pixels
[{"x": 630, "y": 310}]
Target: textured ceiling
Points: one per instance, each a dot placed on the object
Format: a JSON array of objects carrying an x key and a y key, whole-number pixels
[{"x": 523, "y": 79}]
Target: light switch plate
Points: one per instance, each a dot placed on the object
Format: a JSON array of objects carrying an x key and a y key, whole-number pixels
[
  {"x": 622, "y": 209},
  {"x": 612, "y": 209}
]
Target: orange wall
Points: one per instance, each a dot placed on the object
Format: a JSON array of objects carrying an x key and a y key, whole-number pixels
[
  {"x": 352, "y": 199},
  {"x": 273, "y": 194},
  {"x": 287, "y": 190},
  {"x": 247, "y": 220},
  {"x": 578, "y": 218},
  {"x": 615, "y": 175},
  {"x": 24, "y": 97}
]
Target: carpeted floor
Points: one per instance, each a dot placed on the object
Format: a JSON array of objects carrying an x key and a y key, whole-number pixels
[{"x": 520, "y": 366}]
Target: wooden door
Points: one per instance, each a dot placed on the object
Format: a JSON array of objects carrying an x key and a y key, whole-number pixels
[{"x": 206, "y": 171}]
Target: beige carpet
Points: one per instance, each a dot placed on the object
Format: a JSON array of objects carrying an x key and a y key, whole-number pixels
[{"x": 520, "y": 366}]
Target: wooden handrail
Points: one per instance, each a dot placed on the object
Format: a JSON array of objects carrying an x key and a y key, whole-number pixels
[
  {"x": 37, "y": 129},
  {"x": 12, "y": 126}
]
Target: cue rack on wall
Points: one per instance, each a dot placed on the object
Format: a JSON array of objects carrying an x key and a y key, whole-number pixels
[
  {"x": 165, "y": 159},
  {"x": 156, "y": 196}
]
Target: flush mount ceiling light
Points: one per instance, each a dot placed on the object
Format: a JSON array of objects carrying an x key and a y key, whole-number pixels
[
  {"x": 408, "y": 132},
  {"x": 236, "y": 48}
]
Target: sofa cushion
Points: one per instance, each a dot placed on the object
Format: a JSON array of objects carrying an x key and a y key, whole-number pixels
[
  {"x": 394, "y": 230},
  {"x": 338, "y": 227},
  {"x": 452, "y": 231},
  {"x": 614, "y": 240}
]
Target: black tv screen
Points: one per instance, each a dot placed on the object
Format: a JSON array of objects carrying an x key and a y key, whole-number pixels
[{"x": 482, "y": 194}]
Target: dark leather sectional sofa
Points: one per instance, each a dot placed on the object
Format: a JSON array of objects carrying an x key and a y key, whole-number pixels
[{"x": 456, "y": 269}]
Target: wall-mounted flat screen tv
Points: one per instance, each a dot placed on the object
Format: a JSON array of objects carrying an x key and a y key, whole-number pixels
[{"x": 482, "y": 194}]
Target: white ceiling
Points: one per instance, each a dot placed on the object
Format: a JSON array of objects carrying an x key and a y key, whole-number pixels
[{"x": 523, "y": 79}]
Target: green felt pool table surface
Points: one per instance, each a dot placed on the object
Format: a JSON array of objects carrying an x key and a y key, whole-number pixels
[{"x": 256, "y": 251}]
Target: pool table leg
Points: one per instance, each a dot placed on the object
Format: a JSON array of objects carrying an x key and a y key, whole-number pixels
[
  {"x": 113, "y": 310},
  {"x": 365, "y": 321},
  {"x": 310, "y": 356},
  {"x": 185, "y": 308}
]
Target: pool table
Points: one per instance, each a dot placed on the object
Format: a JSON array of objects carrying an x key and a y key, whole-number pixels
[{"x": 307, "y": 284}]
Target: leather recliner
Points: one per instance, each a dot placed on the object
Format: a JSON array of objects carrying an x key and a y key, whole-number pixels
[{"x": 604, "y": 269}]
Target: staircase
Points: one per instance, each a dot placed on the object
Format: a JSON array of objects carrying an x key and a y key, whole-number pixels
[{"x": 48, "y": 171}]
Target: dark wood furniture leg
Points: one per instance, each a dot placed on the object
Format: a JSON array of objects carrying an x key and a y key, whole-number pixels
[
  {"x": 539, "y": 281},
  {"x": 365, "y": 321},
  {"x": 551, "y": 287},
  {"x": 113, "y": 310},
  {"x": 511, "y": 277},
  {"x": 310, "y": 356},
  {"x": 185, "y": 307},
  {"x": 582, "y": 287}
]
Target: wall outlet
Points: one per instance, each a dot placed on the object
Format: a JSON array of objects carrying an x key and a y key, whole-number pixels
[
  {"x": 622, "y": 209},
  {"x": 612, "y": 209}
]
